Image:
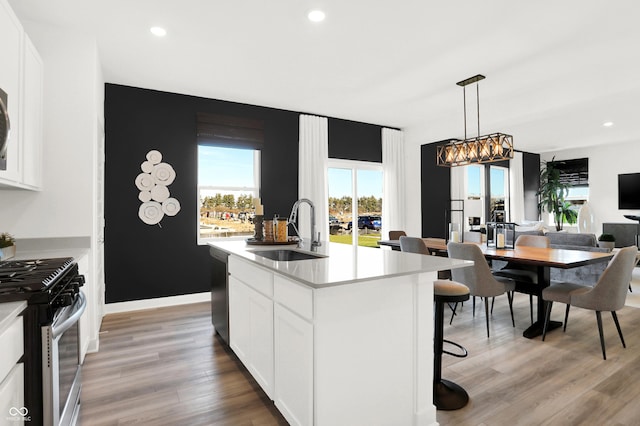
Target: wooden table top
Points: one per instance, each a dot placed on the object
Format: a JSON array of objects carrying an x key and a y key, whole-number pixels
[
  {"x": 557, "y": 258},
  {"x": 431, "y": 243}
]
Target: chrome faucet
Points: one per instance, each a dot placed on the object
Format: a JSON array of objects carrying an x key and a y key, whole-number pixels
[{"x": 292, "y": 220}]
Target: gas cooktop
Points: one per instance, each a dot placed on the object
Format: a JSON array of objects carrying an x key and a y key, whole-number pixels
[{"x": 33, "y": 274}]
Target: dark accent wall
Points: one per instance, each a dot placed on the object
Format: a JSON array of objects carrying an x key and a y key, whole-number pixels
[
  {"x": 345, "y": 141},
  {"x": 531, "y": 179},
  {"x": 435, "y": 192},
  {"x": 147, "y": 261}
]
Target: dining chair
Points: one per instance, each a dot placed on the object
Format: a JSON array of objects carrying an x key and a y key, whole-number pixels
[
  {"x": 608, "y": 294},
  {"x": 395, "y": 235},
  {"x": 412, "y": 244},
  {"x": 478, "y": 277},
  {"x": 524, "y": 275}
]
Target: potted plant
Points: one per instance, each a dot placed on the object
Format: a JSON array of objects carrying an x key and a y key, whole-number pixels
[
  {"x": 607, "y": 241},
  {"x": 552, "y": 195},
  {"x": 7, "y": 246}
]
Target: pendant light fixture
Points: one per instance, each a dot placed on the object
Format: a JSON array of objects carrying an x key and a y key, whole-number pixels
[{"x": 479, "y": 149}]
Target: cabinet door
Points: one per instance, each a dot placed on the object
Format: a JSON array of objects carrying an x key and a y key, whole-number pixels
[
  {"x": 293, "y": 366},
  {"x": 261, "y": 337},
  {"x": 32, "y": 117},
  {"x": 239, "y": 325},
  {"x": 10, "y": 81},
  {"x": 12, "y": 396}
]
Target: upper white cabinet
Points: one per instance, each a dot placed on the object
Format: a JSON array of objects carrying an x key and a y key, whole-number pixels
[
  {"x": 32, "y": 118},
  {"x": 10, "y": 82},
  {"x": 21, "y": 78}
]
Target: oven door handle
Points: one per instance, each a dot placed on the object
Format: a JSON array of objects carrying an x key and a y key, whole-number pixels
[{"x": 69, "y": 315}]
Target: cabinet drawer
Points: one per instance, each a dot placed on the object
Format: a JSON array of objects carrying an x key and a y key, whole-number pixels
[
  {"x": 294, "y": 296},
  {"x": 255, "y": 277},
  {"x": 12, "y": 395},
  {"x": 11, "y": 342}
]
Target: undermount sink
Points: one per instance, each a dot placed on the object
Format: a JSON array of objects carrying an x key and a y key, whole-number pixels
[{"x": 287, "y": 255}]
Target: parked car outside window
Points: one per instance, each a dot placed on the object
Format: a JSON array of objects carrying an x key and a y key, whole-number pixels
[{"x": 367, "y": 222}]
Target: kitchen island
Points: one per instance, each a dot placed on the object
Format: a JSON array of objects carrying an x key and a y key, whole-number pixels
[{"x": 341, "y": 339}]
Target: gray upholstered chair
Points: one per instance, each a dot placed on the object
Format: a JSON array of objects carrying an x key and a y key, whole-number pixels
[
  {"x": 412, "y": 245},
  {"x": 525, "y": 276},
  {"x": 478, "y": 277},
  {"x": 609, "y": 293},
  {"x": 395, "y": 235}
]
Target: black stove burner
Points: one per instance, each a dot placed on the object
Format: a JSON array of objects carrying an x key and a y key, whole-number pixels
[{"x": 32, "y": 274}]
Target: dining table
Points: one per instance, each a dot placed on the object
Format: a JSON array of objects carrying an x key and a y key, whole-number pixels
[{"x": 543, "y": 259}]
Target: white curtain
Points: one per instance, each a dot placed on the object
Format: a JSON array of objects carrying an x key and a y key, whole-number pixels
[
  {"x": 393, "y": 203},
  {"x": 516, "y": 188},
  {"x": 312, "y": 174}
]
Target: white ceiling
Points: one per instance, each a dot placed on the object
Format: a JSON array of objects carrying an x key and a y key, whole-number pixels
[{"x": 556, "y": 70}]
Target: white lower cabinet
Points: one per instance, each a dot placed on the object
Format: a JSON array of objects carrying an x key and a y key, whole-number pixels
[
  {"x": 251, "y": 331},
  {"x": 294, "y": 366}
]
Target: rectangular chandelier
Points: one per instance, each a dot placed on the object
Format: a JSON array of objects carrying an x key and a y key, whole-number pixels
[{"x": 480, "y": 149}]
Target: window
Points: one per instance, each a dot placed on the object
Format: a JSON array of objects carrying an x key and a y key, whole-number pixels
[
  {"x": 499, "y": 193},
  {"x": 474, "y": 203},
  {"x": 228, "y": 181},
  {"x": 355, "y": 186}
]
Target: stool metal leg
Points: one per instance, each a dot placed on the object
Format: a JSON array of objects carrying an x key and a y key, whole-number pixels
[{"x": 446, "y": 394}]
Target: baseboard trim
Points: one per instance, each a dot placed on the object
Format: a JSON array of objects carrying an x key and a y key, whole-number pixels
[{"x": 160, "y": 302}]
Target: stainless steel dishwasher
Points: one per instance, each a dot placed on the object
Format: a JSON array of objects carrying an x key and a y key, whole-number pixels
[{"x": 220, "y": 293}]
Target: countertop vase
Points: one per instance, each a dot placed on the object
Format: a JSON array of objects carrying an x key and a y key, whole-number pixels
[{"x": 7, "y": 252}]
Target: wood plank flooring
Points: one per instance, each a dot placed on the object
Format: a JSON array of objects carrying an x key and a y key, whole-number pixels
[{"x": 165, "y": 367}]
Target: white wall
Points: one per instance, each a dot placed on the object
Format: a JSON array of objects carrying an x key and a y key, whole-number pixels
[
  {"x": 605, "y": 163},
  {"x": 73, "y": 113},
  {"x": 65, "y": 205}
]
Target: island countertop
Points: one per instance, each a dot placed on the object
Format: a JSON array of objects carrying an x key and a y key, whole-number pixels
[{"x": 342, "y": 263}]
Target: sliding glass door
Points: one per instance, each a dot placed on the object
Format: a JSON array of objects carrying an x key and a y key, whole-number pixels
[{"x": 355, "y": 202}]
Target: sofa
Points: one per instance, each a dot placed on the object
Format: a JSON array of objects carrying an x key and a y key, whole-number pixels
[{"x": 588, "y": 274}]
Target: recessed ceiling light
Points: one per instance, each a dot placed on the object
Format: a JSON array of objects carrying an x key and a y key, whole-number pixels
[
  {"x": 607, "y": 123},
  {"x": 158, "y": 31},
  {"x": 316, "y": 16}
]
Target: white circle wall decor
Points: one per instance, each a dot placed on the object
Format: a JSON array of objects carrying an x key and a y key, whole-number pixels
[
  {"x": 150, "y": 212},
  {"x": 144, "y": 196},
  {"x": 156, "y": 199},
  {"x": 159, "y": 193},
  {"x": 146, "y": 166},
  {"x": 171, "y": 206},
  {"x": 154, "y": 157},
  {"x": 144, "y": 182},
  {"x": 163, "y": 174}
]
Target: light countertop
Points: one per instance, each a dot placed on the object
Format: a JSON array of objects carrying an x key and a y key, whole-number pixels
[
  {"x": 39, "y": 248},
  {"x": 8, "y": 311},
  {"x": 343, "y": 264}
]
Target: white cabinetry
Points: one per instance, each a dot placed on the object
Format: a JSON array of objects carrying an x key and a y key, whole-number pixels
[
  {"x": 251, "y": 320},
  {"x": 21, "y": 77},
  {"x": 32, "y": 119},
  {"x": 12, "y": 372},
  {"x": 10, "y": 81},
  {"x": 294, "y": 366}
]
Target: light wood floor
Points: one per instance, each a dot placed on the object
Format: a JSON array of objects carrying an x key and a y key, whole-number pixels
[{"x": 164, "y": 367}]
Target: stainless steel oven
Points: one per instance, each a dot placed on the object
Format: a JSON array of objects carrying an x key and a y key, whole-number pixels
[
  {"x": 51, "y": 359},
  {"x": 61, "y": 365}
]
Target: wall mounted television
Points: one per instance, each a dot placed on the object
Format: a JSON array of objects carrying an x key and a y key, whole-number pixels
[{"x": 629, "y": 191}]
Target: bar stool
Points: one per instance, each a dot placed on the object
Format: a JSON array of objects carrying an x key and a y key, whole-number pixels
[{"x": 446, "y": 394}]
